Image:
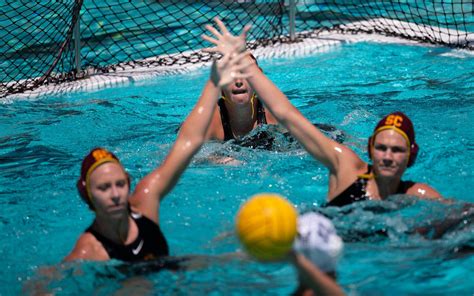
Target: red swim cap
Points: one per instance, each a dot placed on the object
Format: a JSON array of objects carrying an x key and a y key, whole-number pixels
[
  {"x": 95, "y": 158},
  {"x": 402, "y": 125}
]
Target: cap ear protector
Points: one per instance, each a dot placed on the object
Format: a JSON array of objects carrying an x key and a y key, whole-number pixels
[
  {"x": 402, "y": 125},
  {"x": 94, "y": 159}
]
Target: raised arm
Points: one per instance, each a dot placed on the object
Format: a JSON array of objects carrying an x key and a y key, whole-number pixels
[
  {"x": 153, "y": 188},
  {"x": 317, "y": 144}
]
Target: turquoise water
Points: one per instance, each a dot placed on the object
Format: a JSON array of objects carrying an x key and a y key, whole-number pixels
[{"x": 42, "y": 142}]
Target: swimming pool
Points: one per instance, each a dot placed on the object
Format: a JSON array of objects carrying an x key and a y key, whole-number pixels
[{"x": 350, "y": 86}]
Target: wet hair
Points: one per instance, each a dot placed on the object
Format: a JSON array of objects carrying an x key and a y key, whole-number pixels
[{"x": 399, "y": 122}]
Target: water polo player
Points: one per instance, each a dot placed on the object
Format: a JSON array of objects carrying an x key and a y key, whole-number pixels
[
  {"x": 392, "y": 149},
  {"x": 126, "y": 226},
  {"x": 240, "y": 111}
]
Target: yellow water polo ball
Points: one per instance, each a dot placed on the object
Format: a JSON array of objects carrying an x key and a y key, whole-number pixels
[{"x": 266, "y": 226}]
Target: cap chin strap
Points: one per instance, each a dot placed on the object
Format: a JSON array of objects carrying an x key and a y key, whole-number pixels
[
  {"x": 368, "y": 176},
  {"x": 252, "y": 99}
]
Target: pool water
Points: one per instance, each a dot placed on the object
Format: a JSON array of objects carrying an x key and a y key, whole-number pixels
[{"x": 43, "y": 140}]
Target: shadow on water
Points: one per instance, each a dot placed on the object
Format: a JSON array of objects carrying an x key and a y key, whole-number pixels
[{"x": 24, "y": 161}]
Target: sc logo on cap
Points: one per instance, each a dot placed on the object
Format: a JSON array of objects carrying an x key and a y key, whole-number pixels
[
  {"x": 395, "y": 120},
  {"x": 101, "y": 154}
]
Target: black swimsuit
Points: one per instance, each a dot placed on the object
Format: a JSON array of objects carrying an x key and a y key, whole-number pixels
[
  {"x": 149, "y": 244},
  {"x": 357, "y": 191},
  {"x": 228, "y": 135}
]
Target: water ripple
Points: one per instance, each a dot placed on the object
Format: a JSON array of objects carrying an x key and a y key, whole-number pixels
[{"x": 25, "y": 161}]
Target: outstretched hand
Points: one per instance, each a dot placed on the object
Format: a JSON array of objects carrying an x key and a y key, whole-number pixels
[{"x": 226, "y": 43}]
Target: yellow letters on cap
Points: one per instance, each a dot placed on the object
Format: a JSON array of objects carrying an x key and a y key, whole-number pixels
[
  {"x": 394, "y": 120},
  {"x": 101, "y": 154}
]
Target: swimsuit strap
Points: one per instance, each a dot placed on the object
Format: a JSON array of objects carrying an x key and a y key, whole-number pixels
[
  {"x": 228, "y": 135},
  {"x": 261, "y": 118},
  {"x": 355, "y": 192},
  {"x": 367, "y": 175}
]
